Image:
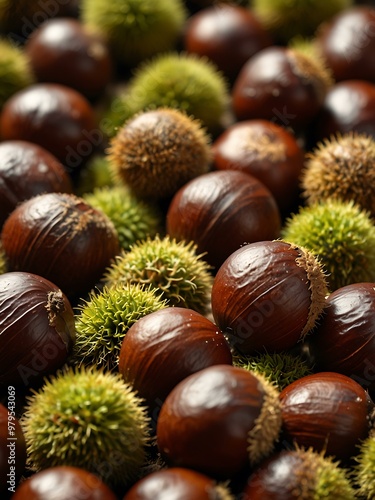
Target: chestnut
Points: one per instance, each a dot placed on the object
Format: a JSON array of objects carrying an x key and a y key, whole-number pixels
[
  {"x": 347, "y": 43},
  {"x": 279, "y": 84},
  {"x": 344, "y": 339},
  {"x": 267, "y": 151},
  {"x": 26, "y": 170},
  {"x": 56, "y": 117},
  {"x": 222, "y": 210},
  {"x": 267, "y": 296},
  {"x": 12, "y": 445},
  {"x": 348, "y": 106},
  {"x": 37, "y": 328},
  {"x": 326, "y": 411},
  {"x": 64, "y": 51},
  {"x": 219, "y": 421},
  {"x": 227, "y": 34},
  {"x": 164, "y": 347},
  {"x": 176, "y": 483},
  {"x": 62, "y": 238},
  {"x": 63, "y": 483}
]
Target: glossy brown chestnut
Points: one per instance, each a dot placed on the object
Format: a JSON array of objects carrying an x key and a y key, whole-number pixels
[
  {"x": 268, "y": 152},
  {"x": 56, "y": 117},
  {"x": 326, "y": 411},
  {"x": 26, "y": 170},
  {"x": 166, "y": 346},
  {"x": 262, "y": 297},
  {"x": 344, "y": 340},
  {"x": 12, "y": 445},
  {"x": 227, "y": 34},
  {"x": 63, "y": 483},
  {"x": 276, "y": 85},
  {"x": 62, "y": 238},
  {"x": 347, "y": 43},
  {"x": 221, "y": 211},
  {"x": 174, "y": 483},
  {"x": 63, "y": 51},
  {"x": 348, "y": 106},
  {"x": 37, "y": 328},
  {"x": 207, "y": 422}
]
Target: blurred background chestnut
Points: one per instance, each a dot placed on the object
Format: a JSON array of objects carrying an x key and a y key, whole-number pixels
[
  {"x": 26, "y": 170},
  {"x": 267, "y": 151},
  {"x": 227, "y": 34},
  {"x": 56, "y": 117},
  {"x": 221, "y": 211},
  {"x": 64, "y": 51}
]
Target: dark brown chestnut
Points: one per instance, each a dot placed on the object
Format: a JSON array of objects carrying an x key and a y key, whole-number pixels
[
  {"x": 166, "y": 346},
  {"x": 12, "y": 445},
  {"x": 62, "y": 238},
  {"x": 63, "y": 483},
  {"x": 267, "y": 151},
  {"x": 56, "y": 117},
  {"x": 347, "y": 43},
  {"x": 222, "y": 210},
  {"x": 281, "y": 85},
  {"x": 26, "y": 170},
  {"x": 37, "y": 330},
  {"x": 268, "y": 295},
  {"x": 326, "y": 411},
  {"x": 344, "y": 340},
  {"x": 219, "y": 421},
  {"x": 176, "y": 483},
  {"x": 348, "y": 106},
  {"x": 63, "y": 51},
  {"x": 227, "y": 34}
]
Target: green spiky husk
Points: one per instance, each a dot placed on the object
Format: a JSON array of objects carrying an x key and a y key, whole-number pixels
[
  {"x": 279, "y": 368},
  {"x": 104, "y": 319},
  {"x": 364, "y": 470},
  {"x": 342, "y": 167},
  {"x": 136, "y": 29},
  {"x": 3, "y": 260},
  {"x": 89, "y": 419},
  {"x": 134, "y": 219},
  {"x": 288, "y": 18},
  {"x": 95, "y": 174},
  {"x": 182, "y": 81},
  {"x": 173, "y": 268},
  {"x": 15, "y": 71},
  {"x": 341, "y": 235}
]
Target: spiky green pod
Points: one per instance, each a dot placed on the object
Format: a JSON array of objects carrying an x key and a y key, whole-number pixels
[
  {"x": 364, "y": 470},
  {"x": 136, "y": 29},
  {"x": 3, "y": 261},
  {"x": 342, "y": 167},
  {"x": 182, "y": 81},
  {"x": 288, "y": 18},
  {"x": 103, "y": 320},
  {"x": 15, "y": 71},
  {"x": 280, "y": 368},
  {"x": 90, "y": 419},
  {"x": 173, "y": 268},
  {"x": 95, "y": 174},
  {"x": 134, "y": 219},
  {"x": 341, "y": 235}
]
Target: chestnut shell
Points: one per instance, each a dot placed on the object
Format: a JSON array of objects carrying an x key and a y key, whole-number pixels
[
  {"x": 26, "y": 170},
  {"x": 62, "y": 238},
  {"x": 205, "y": 420},
  {"x": 222, "y": 210},
  {"x": 344, "y": 340},
  {"x": 152, "y": 346},
  {"x": 326, "y": 411},
  {"x": 37, "y": 329}
]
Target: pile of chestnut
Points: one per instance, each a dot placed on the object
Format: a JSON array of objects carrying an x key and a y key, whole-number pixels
[{"x": 216, "y": 427}]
